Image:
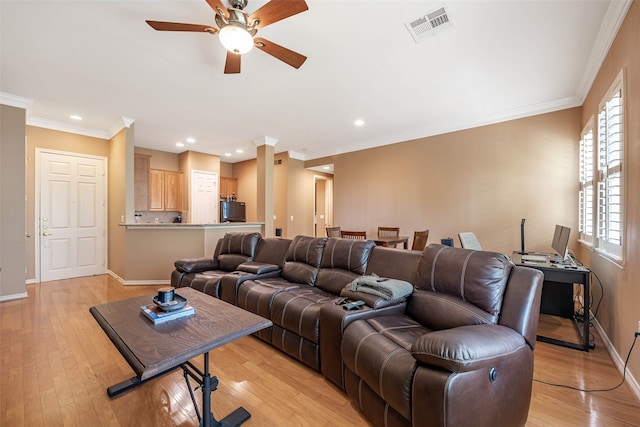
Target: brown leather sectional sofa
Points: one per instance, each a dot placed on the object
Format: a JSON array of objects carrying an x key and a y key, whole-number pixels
[{"x": 458, "y": 351}]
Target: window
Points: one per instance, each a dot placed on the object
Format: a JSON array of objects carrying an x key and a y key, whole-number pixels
[
  {"x": 601, "y": 196},
  {"x": 587, "y": 183}
]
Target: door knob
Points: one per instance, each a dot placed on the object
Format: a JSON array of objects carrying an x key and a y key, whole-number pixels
[{"x": 47, "y": 234}]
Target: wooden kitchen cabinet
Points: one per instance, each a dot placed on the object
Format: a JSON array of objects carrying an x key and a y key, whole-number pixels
[
  {"x": 165, "y": 190},
  {"x": 141, "y": 182},
  {"x": 228, "y": 186}
]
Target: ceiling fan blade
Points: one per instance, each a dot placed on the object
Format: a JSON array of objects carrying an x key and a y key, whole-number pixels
[
  {"x": 232, "y": 65},
  {"x": 177, "y": 26},
  {"x": 282, "y": 53},
  {"x": 277, "y": 10},
  {"x": 218, "y": 6}
]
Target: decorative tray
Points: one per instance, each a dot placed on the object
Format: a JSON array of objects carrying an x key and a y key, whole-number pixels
[{"x": 177, "y": 303}]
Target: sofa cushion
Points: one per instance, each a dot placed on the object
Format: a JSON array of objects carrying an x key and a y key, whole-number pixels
[
  {"x": 303, "y": 259},
  {"x": 441, "y": 311},
  {"x": 240, "y": 243},
  {"x": 478, "y": 277},
  {"x": 230, "y": 262},
  {"x": 342, "y": 261},
  {"x": 298, "y": 310}
]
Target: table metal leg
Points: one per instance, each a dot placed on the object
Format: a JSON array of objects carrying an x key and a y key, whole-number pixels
[
  {"x": 209, "y": 384},
  {"x": 132, "y": 382}
]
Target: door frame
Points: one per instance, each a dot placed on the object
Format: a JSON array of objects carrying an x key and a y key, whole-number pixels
[
  {"x": 37, "y": 196},
  {"x": 328, "y": 204}
]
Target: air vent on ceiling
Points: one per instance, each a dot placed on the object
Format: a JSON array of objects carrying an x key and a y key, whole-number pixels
[{"x": 430, "y": 24}]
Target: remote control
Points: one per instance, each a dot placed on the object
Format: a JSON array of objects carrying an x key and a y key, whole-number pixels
[{"x": 355, "y": 305}]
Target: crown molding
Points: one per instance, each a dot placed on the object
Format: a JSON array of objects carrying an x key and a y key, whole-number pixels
[
  {"x": 611, "y": 23},
  {"x": 15, "y": 101},
  {"x": 66, "y": 127},
  {"x": 265, "y": 140},
  {"x": 297, "y": 155},
  {"x": 118, "y": 125}
]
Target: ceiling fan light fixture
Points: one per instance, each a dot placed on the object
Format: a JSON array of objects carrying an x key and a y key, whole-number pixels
[{"x": 236, "y": 39}]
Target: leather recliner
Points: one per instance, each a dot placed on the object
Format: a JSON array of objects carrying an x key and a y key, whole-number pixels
[
  {"x": 204, "y": 274},
  {"x": 460, "y": 354}
]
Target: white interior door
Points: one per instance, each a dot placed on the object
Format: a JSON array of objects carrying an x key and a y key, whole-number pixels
[
  {"x": 204, "y": 197},
  {"x": 72, "y": 218}
]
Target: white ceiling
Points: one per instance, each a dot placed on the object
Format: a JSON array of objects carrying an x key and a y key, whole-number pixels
[{"x": 99, "y": 59}]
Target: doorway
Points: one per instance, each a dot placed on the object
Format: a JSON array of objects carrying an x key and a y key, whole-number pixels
[
  {"x": 323, "y": 205},
  {"x": 70, "y": 215}
]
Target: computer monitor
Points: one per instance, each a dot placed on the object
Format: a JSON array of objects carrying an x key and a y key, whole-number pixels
[{"x": 560, "y": 242}]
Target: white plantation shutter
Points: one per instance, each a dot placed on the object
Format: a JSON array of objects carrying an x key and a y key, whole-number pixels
[
  {"x": 586, "y": 196},
  {"x": 610, "y": 218}
]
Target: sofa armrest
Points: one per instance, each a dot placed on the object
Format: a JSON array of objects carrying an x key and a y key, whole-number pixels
[
  {"x": 256, "y": 267},
  {"x": 467, "y": 348},
  {"x": 333, "y": 321},
  {"x": 196, "y": 265}
]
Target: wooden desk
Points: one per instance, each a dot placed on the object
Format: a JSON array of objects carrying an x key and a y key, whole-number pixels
[
  {"x": 153, "y": 350},
  {"x": 557, "y": 291},
  {"x": 391, "y": 241}
]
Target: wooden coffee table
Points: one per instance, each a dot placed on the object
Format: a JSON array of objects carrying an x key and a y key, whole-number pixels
[{"x": 153, "y": 350}]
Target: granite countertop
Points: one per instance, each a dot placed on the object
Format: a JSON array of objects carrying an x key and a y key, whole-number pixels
[{"x": 184, "y": 224}]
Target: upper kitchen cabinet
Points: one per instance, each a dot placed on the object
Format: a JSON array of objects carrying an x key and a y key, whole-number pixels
[
  {"x": 141, "y": 181},
  {"x": 165, "y": 190}
]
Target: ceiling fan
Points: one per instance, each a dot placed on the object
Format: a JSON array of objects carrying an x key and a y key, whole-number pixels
[{"x": 237, "y": 29}]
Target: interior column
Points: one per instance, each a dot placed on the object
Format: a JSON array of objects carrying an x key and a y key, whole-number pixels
[{"x": 265, "y": 184}]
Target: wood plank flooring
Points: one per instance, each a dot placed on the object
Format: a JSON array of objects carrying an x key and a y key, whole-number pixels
[{"x": 56, "y": 363}]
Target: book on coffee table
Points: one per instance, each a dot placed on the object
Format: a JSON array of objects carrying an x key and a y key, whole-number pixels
[{"x": 157, "y": 315}]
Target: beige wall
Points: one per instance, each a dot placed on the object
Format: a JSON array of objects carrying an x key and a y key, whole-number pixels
[
  {"x": 300, "y": 199},
  {"x": 12, "y": 204},
  {"x": 187, "y": 162},
  {"x": 40, "y": 138},
  {"x": 246, "y": 173},
  {"x": 117, "y": 202},
  {"x": 161, "y": 159},
  {"x": 226, "y": 170},
  {"x": 483, "y": 180},
  {"x": 619, "y": 312}
]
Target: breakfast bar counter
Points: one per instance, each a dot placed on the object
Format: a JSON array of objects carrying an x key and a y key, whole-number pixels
[{"x": 151, "y": 249}]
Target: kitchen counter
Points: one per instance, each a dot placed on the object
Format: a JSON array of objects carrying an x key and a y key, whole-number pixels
[
  {"x": 186, "y": 225},
  {"x": 151, "y": 249}
]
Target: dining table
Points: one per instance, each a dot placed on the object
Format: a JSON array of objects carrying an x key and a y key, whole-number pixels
[{"x": 390, "y": 241}]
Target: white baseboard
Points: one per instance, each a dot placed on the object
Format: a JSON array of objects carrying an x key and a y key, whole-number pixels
[
  {"x": 138, "y": 282},
  {"x": 617, "y": 360},
  {"x": 13, "y": 297}
]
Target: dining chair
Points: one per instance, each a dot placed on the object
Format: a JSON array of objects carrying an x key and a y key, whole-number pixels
[
  {"x": 355, "y": 235},
  {"x": 419, "y": 240},
  {"x": 468, "y": 240},
  {"x": 333, "y": 231},
  {"x": 388, "y": 231}
]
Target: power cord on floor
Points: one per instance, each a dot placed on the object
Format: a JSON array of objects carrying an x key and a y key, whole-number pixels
[{"x": 624, "y": 374}]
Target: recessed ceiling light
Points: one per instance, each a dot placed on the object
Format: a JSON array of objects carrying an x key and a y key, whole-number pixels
[
  {"x": 179, "y": 144},
  {"x": 239, "y": 151},
  {"x": 191, "y": 140},
  {"x": 359, "y": 122},
  {"x": 227, "y": 154},
  {"x": 75, "y": 117},
  {"x": 326, "y": 168}
]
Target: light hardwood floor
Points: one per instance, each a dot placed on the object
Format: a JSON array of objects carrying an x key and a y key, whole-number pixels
[{"x": 56, "y": 363}]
